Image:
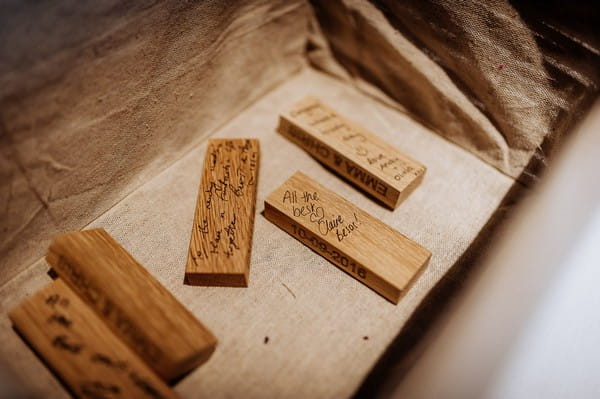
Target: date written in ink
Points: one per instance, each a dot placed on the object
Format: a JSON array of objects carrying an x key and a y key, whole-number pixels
[{"x": 323, "y": 248}]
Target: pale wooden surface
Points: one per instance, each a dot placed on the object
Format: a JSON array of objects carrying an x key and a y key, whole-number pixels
[
  {"x": 221, "y": 241},
  {"x": 361, "y": 157},
  {"x": 353, "y": 240},
  {"x": 137, "y": 308},
  {"x": 89, "y": 358}
]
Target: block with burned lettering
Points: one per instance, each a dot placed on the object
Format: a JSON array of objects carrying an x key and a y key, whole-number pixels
[
  {"x": 359, "y": 156},
  {"x": 221, "y": 238},
  {"x": 74, "y": 342},
  {"x": 356, "y": 242},
  {"x": 136, "y": 307}
]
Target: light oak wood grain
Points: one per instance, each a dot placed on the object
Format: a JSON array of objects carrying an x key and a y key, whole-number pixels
[
  {"x": 356, "y": 242},
  {"x": 359, "y": 156},
  {"x": 138, "y": 309},
  {"x": 76, "y": 344},
  {"x": 221, "y": 241}
]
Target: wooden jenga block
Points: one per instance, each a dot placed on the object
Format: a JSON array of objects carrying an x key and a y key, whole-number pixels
[
  {"x": 356, "y": 242},
  {"x": 138, "y": 309},
  {"x": 359, "y": 156},
  {"x": 74, "y": 341},
  {"x": 221, "y": 240}
]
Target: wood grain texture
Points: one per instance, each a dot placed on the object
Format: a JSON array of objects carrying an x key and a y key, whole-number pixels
[
  {"x": 76, "y": 344},
  {"x": 356, "y": 242},
  {"x": 359, "y": 156},
  {"x": 138, "y": 309},
  {"x": 221, "y": 241}
]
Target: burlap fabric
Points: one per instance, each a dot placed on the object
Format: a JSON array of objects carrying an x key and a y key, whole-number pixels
[
  {"x": 503, "y": 79},
  {"x": 96, "y": 98},
  {"x": 109, "y": 130}
]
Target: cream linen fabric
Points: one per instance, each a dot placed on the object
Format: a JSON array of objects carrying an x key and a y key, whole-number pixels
[
  {"x": 98, "y": 97},
  {"x": 314, "y": 314},
  {"x": 503, "y": 79}
]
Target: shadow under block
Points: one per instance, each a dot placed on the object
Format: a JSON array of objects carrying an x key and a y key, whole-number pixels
[
  {"x": 74, "y": 341},
  {"x": 359, "y": 156},
  {"x": 136, "y": 307},
  {"x": 356, "y": 242},
  {"x": 221, "y": 240}
]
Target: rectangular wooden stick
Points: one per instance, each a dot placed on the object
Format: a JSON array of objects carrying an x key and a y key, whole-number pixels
[
  {"x": 89, "y": 358},
  {"x": 221, "y": 240},
  {"x": 138, "y": 309},
  {"x": 356, "y": 242},
  {"x": 361, "y": 157}
]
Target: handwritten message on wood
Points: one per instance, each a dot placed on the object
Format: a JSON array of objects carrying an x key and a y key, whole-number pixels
[
  {"x": 221, "y": 241},
  {"x": 136, "y": 307},
  {"x": 90, "y": 359},
  {"x": 356, "y": 242},
  {"x": 361, "y": 157}
]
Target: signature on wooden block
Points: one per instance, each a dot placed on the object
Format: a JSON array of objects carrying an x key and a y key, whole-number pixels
[
  {"x": 361, "y": 157},
  {"x": 350, "y": 238},
  {"x": 85, "y": 354},
  {"x": 223, "y": 222}
]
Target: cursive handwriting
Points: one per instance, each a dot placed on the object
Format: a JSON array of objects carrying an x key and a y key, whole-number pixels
[
  {"x": 60, "y": 319},
  {"x": 203, "y": 227},
  {"x": 55, "y": 299},
  {"x": 61, "y": 342},
  {"x": 145, "y": 386},
  {"x": 232, "y": 166},
  {"x": 230, "y": 230},
  {"x": 344, "y": 231},
  {"x": 107, "y": 361},
  {"x": 307, "y": 205},
  {"x": 99, "y": 390}
]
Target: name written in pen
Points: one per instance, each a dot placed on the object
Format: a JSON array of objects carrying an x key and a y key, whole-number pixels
[{"x": 307, "y": 205}]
